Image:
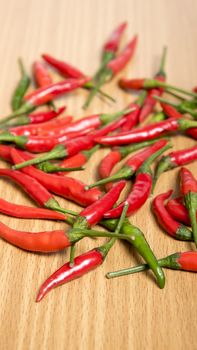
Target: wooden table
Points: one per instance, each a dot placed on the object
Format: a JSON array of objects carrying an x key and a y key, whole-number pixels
[{"x": 93, "y": 312}]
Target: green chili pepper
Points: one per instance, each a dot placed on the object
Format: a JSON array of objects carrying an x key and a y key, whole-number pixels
[{"x": 21, "y": 88}]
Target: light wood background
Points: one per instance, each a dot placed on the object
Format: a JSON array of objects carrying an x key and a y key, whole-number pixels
[{"x": 129, "y": 313}]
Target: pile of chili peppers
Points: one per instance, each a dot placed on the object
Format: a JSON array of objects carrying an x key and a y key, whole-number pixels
[{"x": 37, "y": 125}]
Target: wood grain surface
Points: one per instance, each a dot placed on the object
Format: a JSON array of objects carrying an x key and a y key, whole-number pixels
[{"x": 129, "y": 313}]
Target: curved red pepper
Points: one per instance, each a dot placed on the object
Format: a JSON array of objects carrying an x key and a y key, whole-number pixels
[
  {"x": 82, "y": 265},
  {"x": 42, "y": 117},
  {"x": 140, "y": 192},
  {"x": 174, "y": 228},
  {"x": 95, "y": 212},
  {"x": 178, "y": 211}
]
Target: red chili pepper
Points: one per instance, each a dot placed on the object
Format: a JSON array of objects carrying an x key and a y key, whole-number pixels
[
  {"x": 46, "y": 94},
  {"x": 82, "y": 265},
  {"x": 132, "y": 164},
  {"x": 137, "y": 84},
  {"x": 41, "y": 74},
  {"x": 47, "y": 241},
  {"x": 111, "y": 67},
  {"x": 58, "y": 146},
  {"x": 150, "y": 102},
  {"x": 118, "y": 63},
  {"x": 31, "y": 186},
  {"x": 186, "y": 261},
  {"x": 63, "y": 186},
  {"x": 92, "y": 259},
  {"x": 133, "y": 116},
  {"x": 114, "y": 156},
  {"x": 77, "y": 160},
  {"x": 189, "y": 191},
  {"x": 174, "y": 228},
  {"x": 147, "y": 132},
  {"x": 5, "y": 153},
  {"x": 171, "y": 112},
  {"x": 178, "y": 211},
  {"x": 39, "y": 144},
  {"x": 141, "y": 188},
  {"x": 176, "y": 159},
  {"x": 94, "y": 213},
  {"x": 195, "y": 89},
  {"x": 40, "y": 128},
  {"x": 25, "y": 212},
  {"x": 114, "y": 39},
  {"x": 42, "y": 117},
  {"x": 66, "y": 69}
]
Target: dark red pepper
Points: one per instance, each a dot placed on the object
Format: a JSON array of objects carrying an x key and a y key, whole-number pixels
[
  {"x": 141, "y": 188},
  {"x": 172, "y": 227},
  {"x": 178, "y": 211}
]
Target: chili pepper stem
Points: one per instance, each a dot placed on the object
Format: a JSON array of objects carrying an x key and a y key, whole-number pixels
[
  {"x": 72, "y": 255},
  {"x": 106, "y": 74},
  {"x": 163, "y": 62},
  {"x": 156, "y": 83},
  {"x": 25, "y": 108},
  {"x": 121, "y": 174},
  {"x": 168, "y": 262},
  {"x": 107, "y": 246},
  {"x": 57, "y": 152},
  {"x": 191, "y": 205},
  {"x": 48, "y": 167}
]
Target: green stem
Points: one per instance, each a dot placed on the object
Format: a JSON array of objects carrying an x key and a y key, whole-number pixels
[
  {"x": 107, "y": 246},
  {"x": 170, "y": 261},
  {"x": 141, "y": 98},
  {"x": 172, "y": 87},
  {"x": 108, "y": 118},
  {"x": 158, "y": 117},
  {"x": 25, "y": 108},
  {"x": 57, "y": 152},
  {"x": 105, "y": 75},
  {"x": 49, "y": 167},
  {"x": 163, "y": 62},
  {"x": 90, "y": 152},
  {"x": 174, "y": 95},
  {"x": 145, "y": 167},
  {"x": 72, "y": 255},
  {"x": 124, "y": 173}
]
